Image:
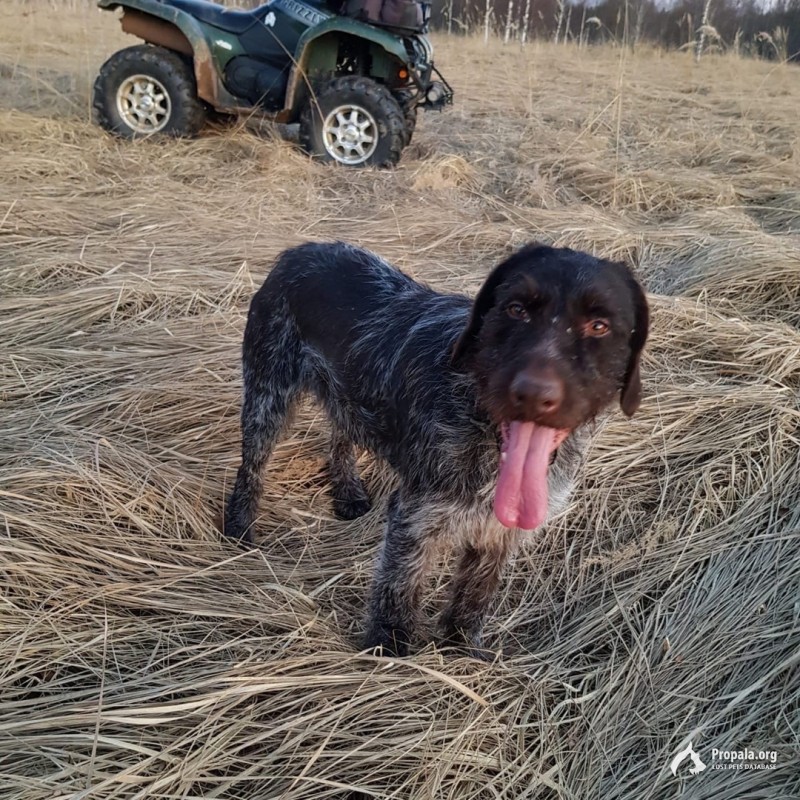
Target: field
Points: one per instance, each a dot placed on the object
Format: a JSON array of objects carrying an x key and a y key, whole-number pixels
[{"x": 141, "y": 657}]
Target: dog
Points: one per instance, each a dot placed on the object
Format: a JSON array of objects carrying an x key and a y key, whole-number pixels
[{"x": 481, "y": 408}]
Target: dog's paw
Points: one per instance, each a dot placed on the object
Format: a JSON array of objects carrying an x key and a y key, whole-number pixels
[
  {"x": 472, "y": 647},
  {"x": 245, "y": 541},
  {"x": 387, "y": 641},
  {"x": 481, "y": 654},
  {"x": 351, "y": 507},
  {"x": 237, "y": 536}
]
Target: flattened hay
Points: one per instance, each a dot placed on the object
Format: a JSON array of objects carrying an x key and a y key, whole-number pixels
[{"x": 142, "y": 657}]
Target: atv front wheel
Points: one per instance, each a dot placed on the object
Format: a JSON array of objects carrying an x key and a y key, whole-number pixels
[
  {"x": 355, "y": 122},
  {"x": 411, "y": 123},
  {"x": 145, "y": 90},
  {"x": 405, "y": 101}
]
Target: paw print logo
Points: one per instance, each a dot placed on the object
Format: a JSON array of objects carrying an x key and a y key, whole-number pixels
[{"x": 688, "y": 752}]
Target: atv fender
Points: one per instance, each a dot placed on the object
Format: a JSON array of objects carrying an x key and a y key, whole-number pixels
[
  {"x": 177, "y": 30},
  {"x": 317, "y": 50}
]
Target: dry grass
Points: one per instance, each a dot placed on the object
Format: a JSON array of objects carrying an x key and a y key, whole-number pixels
[{"x": 143, "y": 658}]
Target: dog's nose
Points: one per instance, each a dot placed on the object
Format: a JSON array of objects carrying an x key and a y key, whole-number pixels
[{"x": 537, "y": 394}]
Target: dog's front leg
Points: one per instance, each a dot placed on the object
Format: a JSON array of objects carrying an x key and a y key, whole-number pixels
[
  {"x": 477, "y": 577},
  {"x": 403, "y": 565}
]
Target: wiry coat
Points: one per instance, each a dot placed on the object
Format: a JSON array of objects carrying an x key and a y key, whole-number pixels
[{"x": 376, "y": 349}]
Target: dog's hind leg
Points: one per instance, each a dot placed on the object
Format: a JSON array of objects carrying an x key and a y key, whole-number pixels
[
  {"x": 273, "y": 378},
  {"x": 350, "y": 498}
]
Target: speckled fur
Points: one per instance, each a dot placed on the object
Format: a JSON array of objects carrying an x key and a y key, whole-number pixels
[{"x": 377, "y": 351}]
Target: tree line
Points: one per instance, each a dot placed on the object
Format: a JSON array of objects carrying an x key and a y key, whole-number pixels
[{"x": 750, "y": 27}]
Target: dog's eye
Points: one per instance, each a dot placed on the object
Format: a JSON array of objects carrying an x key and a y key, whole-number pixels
[
  {"x": 517, "y": 311},
  {"x": 596, "y": 327}
]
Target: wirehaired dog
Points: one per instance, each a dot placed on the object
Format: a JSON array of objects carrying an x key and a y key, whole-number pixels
[{"x": 480, "y": 407}]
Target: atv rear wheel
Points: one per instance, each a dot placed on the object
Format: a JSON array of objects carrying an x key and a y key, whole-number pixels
[
  {"x": 146, "y": 90},
  {"x": 355, "y": 122}
]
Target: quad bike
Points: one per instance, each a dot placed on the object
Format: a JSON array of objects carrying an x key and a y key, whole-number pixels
[{"x": 352, "y": 75}]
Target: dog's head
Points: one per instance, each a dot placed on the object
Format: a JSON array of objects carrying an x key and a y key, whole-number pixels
[{"x": 554, "y": 336}]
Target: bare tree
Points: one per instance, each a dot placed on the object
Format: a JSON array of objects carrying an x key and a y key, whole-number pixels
[
  {"x": 701, "y": 32},
  {"x": 581, "y": 39},
  {"x": 638, "y": 23},
  {"x": 560, "y": 5},
  {"x": 526, "y": 18},
  {"x": 509, "y": 17}
]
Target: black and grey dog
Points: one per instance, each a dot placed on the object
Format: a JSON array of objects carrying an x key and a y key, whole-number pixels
[{"x": 480, "y": 407}]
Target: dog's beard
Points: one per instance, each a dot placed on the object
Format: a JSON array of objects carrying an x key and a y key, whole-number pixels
[{"x": 521, "y": 496}]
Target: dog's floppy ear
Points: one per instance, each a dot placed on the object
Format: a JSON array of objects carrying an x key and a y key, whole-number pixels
[
  {"x": 466, "y": 342},
  {"x": 631, "y": 394}
]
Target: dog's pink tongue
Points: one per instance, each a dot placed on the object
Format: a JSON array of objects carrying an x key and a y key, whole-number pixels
[{"x": 520, "y": 500}]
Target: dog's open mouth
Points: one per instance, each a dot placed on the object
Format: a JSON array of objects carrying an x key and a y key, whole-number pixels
[{"x": 520, "y": 500}]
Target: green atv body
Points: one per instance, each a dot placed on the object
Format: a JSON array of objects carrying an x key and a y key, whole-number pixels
[{"x": 353, "y": 76}]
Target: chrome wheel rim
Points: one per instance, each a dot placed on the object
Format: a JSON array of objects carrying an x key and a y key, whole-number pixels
[
  {"x": 350, "y": 134},
  {"x": 143, "y": 104}
]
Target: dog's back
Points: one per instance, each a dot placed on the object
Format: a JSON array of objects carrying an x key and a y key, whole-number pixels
[
  {"x": 328, "y": 291},
  {"x": 372, "y": 345}
]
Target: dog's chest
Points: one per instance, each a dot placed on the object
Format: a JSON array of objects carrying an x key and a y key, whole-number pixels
[{"x": 469, "y": 518}]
